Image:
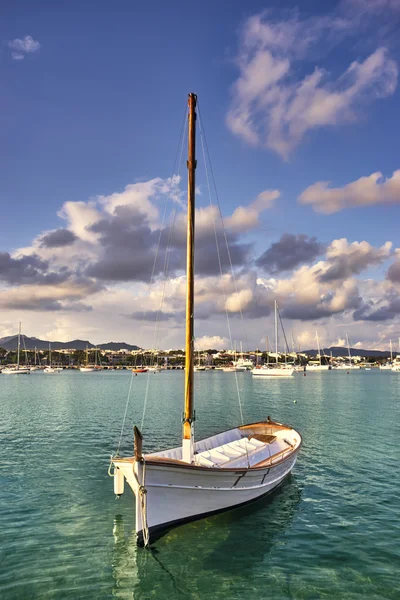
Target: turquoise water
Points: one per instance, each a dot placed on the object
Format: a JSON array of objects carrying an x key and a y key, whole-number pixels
[{"x": 332, "y": 531}]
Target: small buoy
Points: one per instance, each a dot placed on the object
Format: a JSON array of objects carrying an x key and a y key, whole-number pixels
[
  {"x": 294, "y": 401},
  {"x": 119, "y": 482}
]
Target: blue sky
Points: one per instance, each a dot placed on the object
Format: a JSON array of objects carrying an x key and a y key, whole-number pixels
[{"x": 93, "y": 100}]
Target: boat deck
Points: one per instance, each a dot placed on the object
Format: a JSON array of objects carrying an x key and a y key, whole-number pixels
[{"x": 247, "y": 451}]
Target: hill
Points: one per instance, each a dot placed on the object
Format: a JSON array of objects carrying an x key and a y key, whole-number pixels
[
  {"x": 10, "y": 342},
  {"x": 340, "y": 351}
]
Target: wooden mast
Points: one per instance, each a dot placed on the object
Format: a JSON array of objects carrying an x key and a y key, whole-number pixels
[{"x": 188, "y": 417}]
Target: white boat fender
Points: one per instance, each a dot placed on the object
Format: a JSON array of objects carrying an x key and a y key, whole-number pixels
[{"x": 119, "y": 482}]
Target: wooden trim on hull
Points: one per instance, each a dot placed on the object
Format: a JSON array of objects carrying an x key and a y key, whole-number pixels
[{"x": 158, "y": 531}]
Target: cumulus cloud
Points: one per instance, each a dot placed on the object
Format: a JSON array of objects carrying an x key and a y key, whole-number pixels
[
  {"x": 211, "y": 342},
  {"x": 365, "y": 191},
  {"x": 272, "y": 106},
  {"x": 304, "y": 297},
  {"x": 245, "y": 218},
  {"x": 289, "y": 252},
  {"x": 99, "y": 263},
  {"x": 126, "y": 230},
  {"x": 29, "y": 269},
  {"x": 393, "y": 273},
  {"x": 58, "y": 238},
  {"x": 345, "y": 260},
  {"x": 153, "y": 316},
  {"x": 24, "y": 46}
]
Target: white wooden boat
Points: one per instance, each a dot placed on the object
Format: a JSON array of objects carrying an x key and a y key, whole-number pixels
[{"x": 214, "y": 474}]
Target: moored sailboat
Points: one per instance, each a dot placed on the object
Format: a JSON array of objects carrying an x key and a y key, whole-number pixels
[
  {"x": 279, "y": 370},
  {"x": 318, "y": 366},
  {"x": 17, "y": 370},
  {"x": 214, "y": 474},
  {"x": 389, "y": 365},
  {"x": 87, "y": 368},
  {"x": 50, "y": 370}
]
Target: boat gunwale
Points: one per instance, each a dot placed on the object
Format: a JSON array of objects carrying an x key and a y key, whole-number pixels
[{"x": 172, "y": 462}]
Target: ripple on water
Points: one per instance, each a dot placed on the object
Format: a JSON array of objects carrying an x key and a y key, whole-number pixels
[{"x": 331, "y": 532}]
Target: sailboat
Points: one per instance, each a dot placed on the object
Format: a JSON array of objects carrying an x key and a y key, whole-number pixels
[
  {"x": 243, "y": 364},
  {"x": 36, "y": 366},
  {"x": 349, "y": 365},
  {"x": 17, "y": 370},
  {"x": 396, "y": 362},
  {"x": 199, "y": 366},
  {"x": 320, "y": 366},
  {"x": 86, "y": 368},
  {"x": 214, "y": 474},
  {"x": 389, "y": 365},
  {"x": 49, "y": 370},
  {"x": 279, "y": 370}
]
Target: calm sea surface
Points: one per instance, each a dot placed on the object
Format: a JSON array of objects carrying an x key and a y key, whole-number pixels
[{"x": 332, "y": 531}]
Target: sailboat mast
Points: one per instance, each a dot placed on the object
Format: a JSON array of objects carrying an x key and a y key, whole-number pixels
[
  {"x": 276, "y": 334},
  {"x": 19, "y": 343},
  {"x": 319, "y": 350},
  {"x": 348, "y": 347},
  {"x": 188, "y": 418},
  {"x": 391, "y": 352}
]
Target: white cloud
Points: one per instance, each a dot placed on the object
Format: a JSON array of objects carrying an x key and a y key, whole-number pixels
[
  {"x": 24, "y": 46},
  {"x": 321, "y": 295},
  {"x": 245, "y": 218},
  {"x": 272, "y": 107},
  {"x": 211, "y": 342},
  {"x": 365, "y": 191},
  {"x": 239, "y": 301}
]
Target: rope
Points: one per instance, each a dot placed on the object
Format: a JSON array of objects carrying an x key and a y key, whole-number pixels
[
  {"x": 142, "y": 491},
  {"x": 165, "y": 266},
  {"x": 124, "y": 419},
  {"x": 203, "y": 145},
  {"x": 202, "y": 132},
  {"x": 178, "y": 153}
]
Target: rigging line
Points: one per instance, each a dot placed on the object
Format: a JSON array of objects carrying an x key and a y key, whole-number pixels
[
  {"x": 220, "y": 265},
  {"x": 222, "y": 222},
  {"x": 124, "y": 419},
  {"x": 166, "y": 264},
  {"x": 168, "y": 247},
  {"x": 171, "y": 183},
  {"x": 179, "y": 151}
]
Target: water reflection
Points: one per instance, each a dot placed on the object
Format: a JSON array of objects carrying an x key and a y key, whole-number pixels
[{"x": 208, "y": 556}]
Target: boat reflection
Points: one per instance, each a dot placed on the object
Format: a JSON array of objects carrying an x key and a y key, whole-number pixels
[{"x": 203, "y": 556}]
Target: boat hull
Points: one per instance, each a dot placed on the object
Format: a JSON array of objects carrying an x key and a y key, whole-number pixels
[
  {"x": 272, "y": 372},
  {"x": 157, "y": 531},
  {"x": 176, "y": 494},
  {"x": 16, "y": 372}
]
